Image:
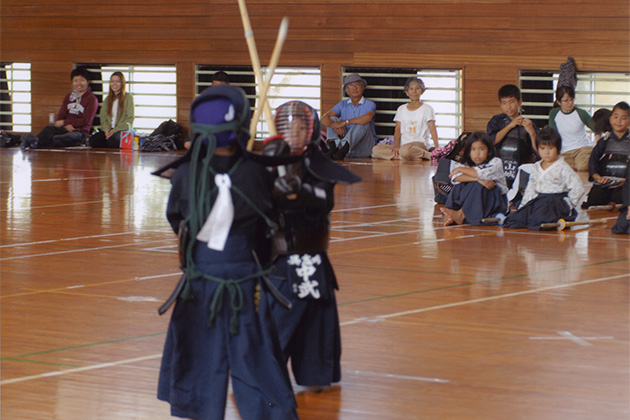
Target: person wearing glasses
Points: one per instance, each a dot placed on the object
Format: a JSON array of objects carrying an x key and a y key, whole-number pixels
[{"x": 571, "y": 123}]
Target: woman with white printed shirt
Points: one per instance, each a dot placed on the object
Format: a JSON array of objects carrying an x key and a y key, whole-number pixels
[{"x": 415, "y": 133}]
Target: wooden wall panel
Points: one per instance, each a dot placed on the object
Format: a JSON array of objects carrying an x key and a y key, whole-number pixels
[
  {"x": 490, "y": 39},
  {"x": 46, "y": 97},
  {"x": 185, "y": 89}
]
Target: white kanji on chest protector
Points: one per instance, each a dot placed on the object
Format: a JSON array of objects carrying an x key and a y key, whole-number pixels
[{"x": 305, "y": 267}]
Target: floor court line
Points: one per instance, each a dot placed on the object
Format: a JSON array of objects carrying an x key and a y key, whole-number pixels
[
  {"x": 102, "y": 296},
  {"x": 364, "y": 231},
  {"x": 566, "y": 335},
  {"x": 78, "y": 238},
  {"x": 157, "y": 276},
  {"x": 170, "y": 249},
  {"x": 343, "y": 324},
  {"x": 491, "y": 279},
  {"x": 46, "y": 254},
  {"x": 178, "y": 273},
  {"x": 485, "y": 299},
  {"x": 561, "y": 235},
  {"x": 375, "y": 235},
  {"x": 376, "y": 223},
  {"x": 394, "y": 376},
  {"x": 80, "y": 369},
  {"x": 79, "y": 286},
  {"x": 481, "y": 233},
  {"x": 68, "y": 179},
  {"x": 334, "y": 227},
  {"x": 80, "y": 203},
  {"x": 370, "y": 207},
  {"x": 148, "y": 242}
]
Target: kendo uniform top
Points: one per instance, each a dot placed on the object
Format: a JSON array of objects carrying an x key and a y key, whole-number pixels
[
  {"x": 610, "y": 158},
  {"x": 551, "y": 194},
  {"x": 623, "y": 224},
  {"x": 309, "y": 334},
  {"x": 515, "y": 148}
]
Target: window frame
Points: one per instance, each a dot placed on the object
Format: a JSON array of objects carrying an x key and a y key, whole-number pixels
[
  {"x": 392, "y": 94},
  {"x": 8, "y": 101},
  {"x": 587, "y": 96},
  {"x": 144, "y": 123},
  {"x": 280, "y": 91}
]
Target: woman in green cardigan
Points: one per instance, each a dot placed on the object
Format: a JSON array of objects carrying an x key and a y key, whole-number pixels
[{"x": 117, "y": 114}]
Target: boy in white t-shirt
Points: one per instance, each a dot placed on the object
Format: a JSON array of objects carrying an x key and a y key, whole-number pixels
[{"x": 415, "y": 134}]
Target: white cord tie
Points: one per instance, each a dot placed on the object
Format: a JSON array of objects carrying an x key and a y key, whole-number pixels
[{"x": 217, "y": 226}]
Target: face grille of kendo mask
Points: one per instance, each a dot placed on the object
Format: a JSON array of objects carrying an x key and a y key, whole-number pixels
[{"x": 298, "y": 124}]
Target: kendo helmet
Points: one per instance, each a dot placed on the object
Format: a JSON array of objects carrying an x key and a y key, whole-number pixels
[
  {"x": 299, "y": 126},
  {"x": 221, "y": 113}
]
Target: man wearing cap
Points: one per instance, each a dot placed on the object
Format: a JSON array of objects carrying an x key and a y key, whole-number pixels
[{"x": 350, "y": 124}]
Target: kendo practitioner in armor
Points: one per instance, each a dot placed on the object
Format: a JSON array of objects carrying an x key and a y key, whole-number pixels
[
  {"x": 609, "y": 161},
  {"x": 623, "y": 220},
  {"x": 309, "y": 332},
  {"x": 513, "y": 135},
  {"x": 220, "y": 206}
]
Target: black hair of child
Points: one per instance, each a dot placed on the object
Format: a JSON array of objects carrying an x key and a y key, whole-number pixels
[
  {"x": 473, "y": 138},
  {"x": 621, "y": 105},
  {"x": 601, "y": 121},
  {"x": 549, "y": 136},
  {"x": 510, "y": 91}
]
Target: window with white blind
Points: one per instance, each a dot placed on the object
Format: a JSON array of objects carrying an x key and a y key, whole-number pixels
[
  {"x": 15, "y": 97},
  {"x": 443, "y": 93},
  {"x": 593, "y": 91},
  {"x": 154, "y": 90},
  {"x": 287, "y": 84}
]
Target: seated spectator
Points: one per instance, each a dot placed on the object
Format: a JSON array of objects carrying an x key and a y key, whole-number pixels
[
  {"x": 553, "y": 190},
  {"x": 601, "y": 123},
  {"x": 623, "y": 220},
  {"x": 117, "y": 113},
  {"x": 478, "y": 184},
  {"x": 514, "y": 137},
  {"x": 415, "y": 128},
  {"x": 571, "y": 123},
  {"x": 610, "y": 159},
  {"x": 220, "y": 78},
  {"x": 350, "y": 124},
  {"x": 74, "y": 118}
]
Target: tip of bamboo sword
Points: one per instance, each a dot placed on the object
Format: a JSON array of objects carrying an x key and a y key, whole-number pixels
[{"x": 284, "y": 28}]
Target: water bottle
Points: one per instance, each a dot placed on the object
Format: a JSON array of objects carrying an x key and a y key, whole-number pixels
[{"x": 136, "y": 138}]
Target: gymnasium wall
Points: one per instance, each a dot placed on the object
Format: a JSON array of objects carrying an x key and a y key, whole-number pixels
[{"x": 491, "y": 40}]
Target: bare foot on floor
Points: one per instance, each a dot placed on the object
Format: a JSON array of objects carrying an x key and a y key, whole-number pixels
[
  {"x": 448, "y": 220},
  {"x": 453, "y": 216}
]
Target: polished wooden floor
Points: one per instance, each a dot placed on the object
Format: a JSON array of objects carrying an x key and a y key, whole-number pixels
[{"x": 450, "y": 323}]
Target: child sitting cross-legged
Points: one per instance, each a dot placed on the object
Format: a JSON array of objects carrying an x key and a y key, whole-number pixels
[
  {"x": 623, "y": 220},
  {"x": 554, "y": 188},
  {"x": 610, "y": 159},
  {"x": 479, "y": 184}
]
